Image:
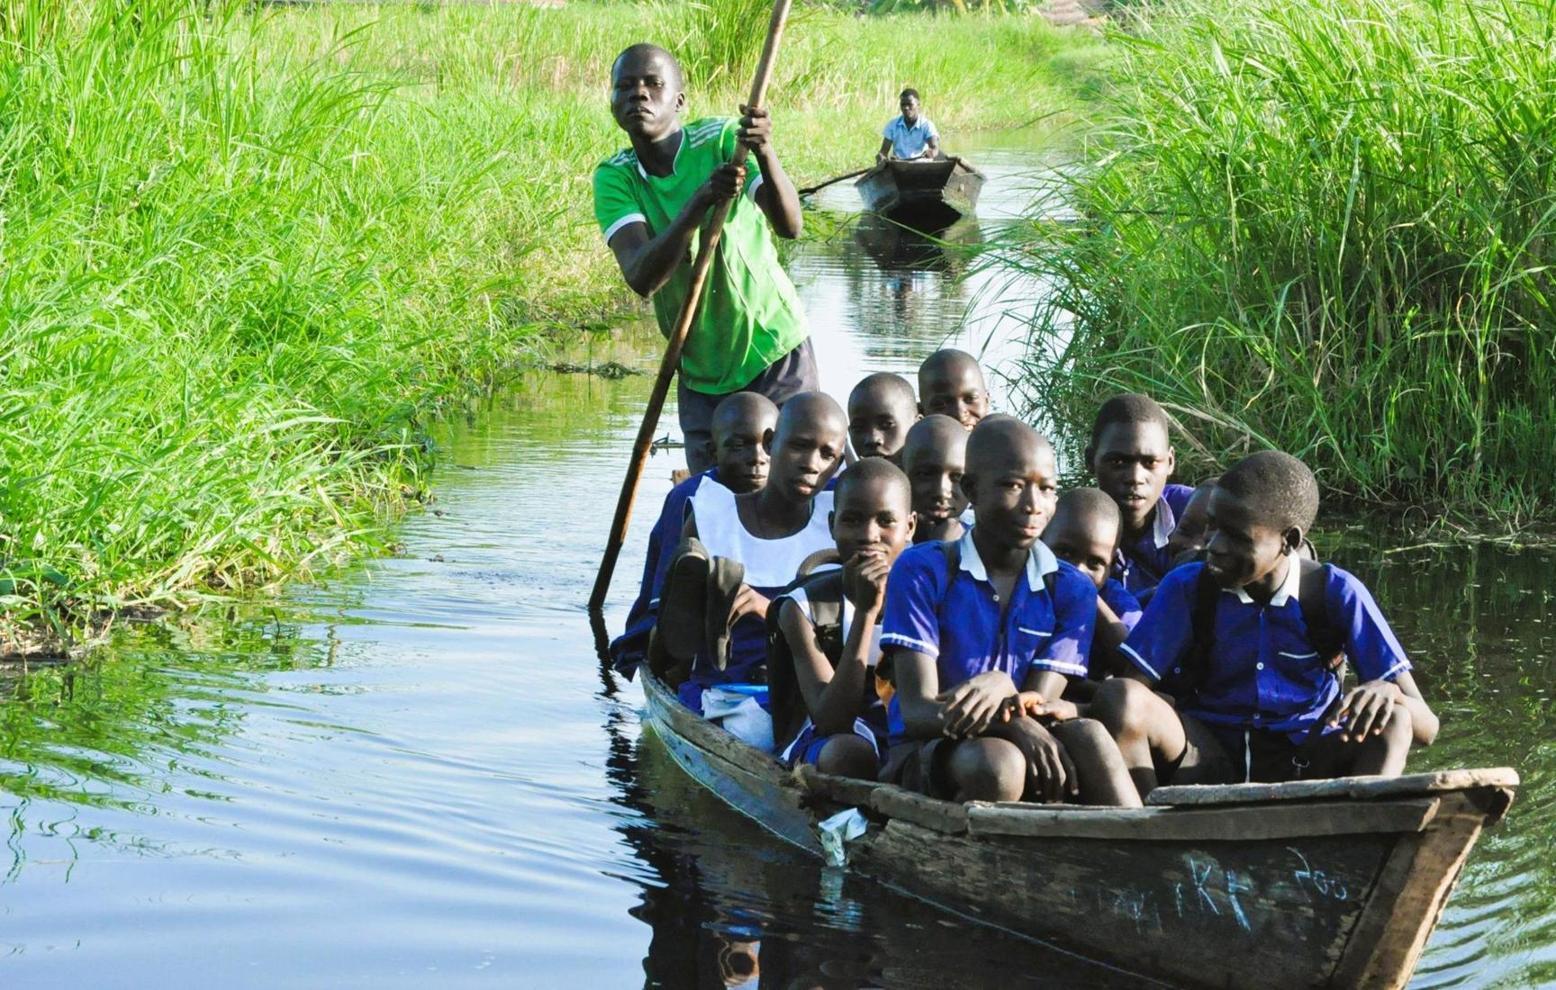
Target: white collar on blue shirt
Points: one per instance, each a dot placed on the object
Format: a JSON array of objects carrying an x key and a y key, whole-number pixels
[
  {"x": 1287, "y": 592},
  {"x": 1040, "y": 561}
]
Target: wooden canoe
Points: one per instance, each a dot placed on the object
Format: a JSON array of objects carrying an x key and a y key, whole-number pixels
[
  {"x": 1333, "y": 883},
  {"x": 925, "y": 194}
]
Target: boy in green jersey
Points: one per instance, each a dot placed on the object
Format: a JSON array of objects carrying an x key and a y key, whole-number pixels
[{"x": 651, "y": 201}]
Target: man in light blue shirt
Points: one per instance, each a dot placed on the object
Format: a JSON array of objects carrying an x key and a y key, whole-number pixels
[{"x": 911, "y": 135}]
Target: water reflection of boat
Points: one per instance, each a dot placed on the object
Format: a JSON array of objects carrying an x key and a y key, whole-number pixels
[
  {"x": 895, "y": 248},
  {"x": 1312, "y": 883},
  {"x": 925, "y": 194},
  {"x": 726, "y": 907}
]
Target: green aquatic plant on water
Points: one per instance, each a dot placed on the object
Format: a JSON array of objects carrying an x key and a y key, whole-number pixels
[{"x": 1324, "y": 226}]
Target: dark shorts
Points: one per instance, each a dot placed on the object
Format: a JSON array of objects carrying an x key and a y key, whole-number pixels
[
  {"x": 1218, "y": 754},
  {"x": 785, "y": 378},
  {"x": 921, "y": 765}
]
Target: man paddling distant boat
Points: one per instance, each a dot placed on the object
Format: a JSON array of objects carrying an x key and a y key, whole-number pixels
[{"x": 650, "y": 201}]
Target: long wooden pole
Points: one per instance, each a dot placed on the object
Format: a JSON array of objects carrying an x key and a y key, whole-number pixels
[
  {"x": 683, "y": 325},
  {"x": 836, "y": 178}
]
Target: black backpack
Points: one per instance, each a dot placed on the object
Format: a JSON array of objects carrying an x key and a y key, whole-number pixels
[{"x": 1323, "y": 634}]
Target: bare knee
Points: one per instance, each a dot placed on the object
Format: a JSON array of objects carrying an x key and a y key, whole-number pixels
[
  {"x": 1123, "y": 706},
  {"x": 847, "y": 755},
  {"x": 1082, "y": 733},
  {"x": 988, "y": 770}
]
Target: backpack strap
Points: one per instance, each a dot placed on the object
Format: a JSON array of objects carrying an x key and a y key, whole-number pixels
[
  {"x": 1202, "y": 625},
  {"x": 1313, "y": 595},
  {"x": 824, "y": 593}
]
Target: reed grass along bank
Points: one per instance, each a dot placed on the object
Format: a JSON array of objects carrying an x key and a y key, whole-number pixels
[
  {"x": 1326, "y": 226},
  {"x": 249, "y": 252}
]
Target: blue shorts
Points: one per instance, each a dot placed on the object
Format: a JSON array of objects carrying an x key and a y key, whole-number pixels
[{"x": 807, "y": 746}]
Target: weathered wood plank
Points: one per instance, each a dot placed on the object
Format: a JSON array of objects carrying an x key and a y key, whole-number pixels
[
  {"x": 847, "y": 791},
  {"x": 1410, "y": 894},
  {"x": 1353, "y": 788},
  {"x": 1207, "y": 914},
  {"x": 1220, "y": 824},
  {"x": 941, "y": 816},
  {"x": 681, "y": 720}
]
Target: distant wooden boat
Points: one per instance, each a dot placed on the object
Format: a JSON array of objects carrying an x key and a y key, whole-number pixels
[
  {"x": 1331, "y": 883},
  {"x": 926, "y": 194}
]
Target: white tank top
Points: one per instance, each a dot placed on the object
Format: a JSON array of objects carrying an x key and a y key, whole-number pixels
[{"x": 769, "y": 564}]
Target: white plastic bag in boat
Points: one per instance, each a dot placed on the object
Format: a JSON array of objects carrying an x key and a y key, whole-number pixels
[
  {"x": 740, "y": 714},
  {"x": 835, "y": 832}
]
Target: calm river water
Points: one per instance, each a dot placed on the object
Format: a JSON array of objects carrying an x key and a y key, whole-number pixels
[{"x": 417, "y": 775}]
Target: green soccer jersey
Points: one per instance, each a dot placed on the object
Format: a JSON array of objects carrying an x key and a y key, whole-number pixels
[{"x": 750, "y": 315}]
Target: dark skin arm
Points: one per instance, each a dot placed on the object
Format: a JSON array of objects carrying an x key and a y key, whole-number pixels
[
  {"x": 777, "y": 197},
  {"x": 885, "y": 150},
  {"x": 926, "y": 713},
  {"x": 648, "y": 262},
  {"x": 1051, "y": 775},
  {"x": 832, "y": 695},
  {"x": 1110, "y": 635},
  {"x": 1367, "y": 708}
]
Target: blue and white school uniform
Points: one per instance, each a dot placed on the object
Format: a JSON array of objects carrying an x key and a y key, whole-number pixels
[
  {"x": 770, "y": 566},
  {"x": 909, "y": 140},
  {"x": 957, "y": 619},
  {"x": 805, "y": 747},
  {"x": 1141, "y": 565},
  {"x": 1263, "y": 672},
  {"x": 1124, "y": 604},
  {"x": 628, "y": 650}
]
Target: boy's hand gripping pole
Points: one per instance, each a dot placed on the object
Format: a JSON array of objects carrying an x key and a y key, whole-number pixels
[{"x": 683, "y": 325}]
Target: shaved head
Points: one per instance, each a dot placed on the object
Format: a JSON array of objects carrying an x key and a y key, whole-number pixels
[
  {"x": 816, "y": 409},
  {"x": 1087, "y": 508},
  {"x": 874, "y": 474},
  {"x": 950, "y": 382},
  {"x": 643, "y": 54},
  {"x": 937, "y": 433},
  {"x": 744, "y": 409},
  {"x": 1000, "y": 440}
]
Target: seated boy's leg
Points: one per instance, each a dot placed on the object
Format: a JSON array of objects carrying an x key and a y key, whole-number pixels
[
  {"x": 986, "y": 770},
  {"x": 958, "y": 769},
  {"x": 1156, "y": 741},
  {"x": 1378, "y": 755},
  {"x": 1104, "y": 777},
  {"x": 847, "y": 755}
]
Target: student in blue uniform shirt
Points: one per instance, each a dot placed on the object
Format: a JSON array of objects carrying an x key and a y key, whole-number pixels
[
  {"x": 1131, "y": 456},
  {"x": 981, "y": 634},
  {"x": 1242, "y": 644},
  {"x": 910, "y": 135},
  {"x": 742, "y": 428},
  {"x": 1084, "y": 532}
]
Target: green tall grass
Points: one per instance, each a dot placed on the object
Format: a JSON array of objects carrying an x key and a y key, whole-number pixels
[
  {"x": 247, "y": 253},
  {"x": 1326, "y": 226}
]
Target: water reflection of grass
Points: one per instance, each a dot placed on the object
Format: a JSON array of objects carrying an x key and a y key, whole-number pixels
[{"x": 106, "y": 732}]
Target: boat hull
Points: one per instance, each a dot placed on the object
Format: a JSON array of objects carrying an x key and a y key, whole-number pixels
[
  {"x": 1331, "y": 883},
  {"x": 927, "y": 195}
]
